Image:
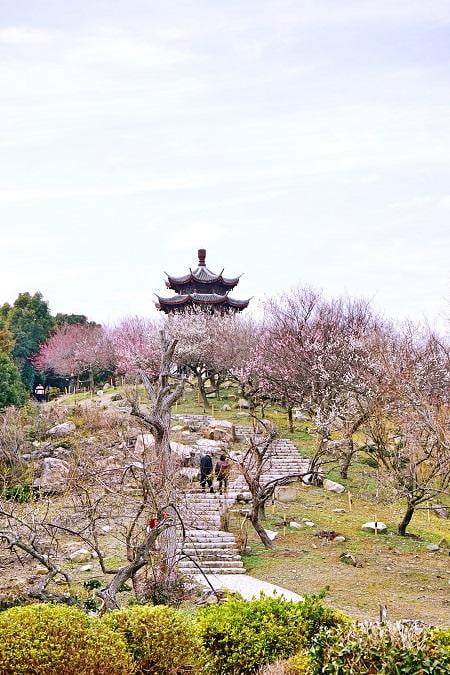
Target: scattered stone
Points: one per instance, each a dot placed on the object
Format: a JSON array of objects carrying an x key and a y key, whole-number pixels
[
  {"x": 144, "y": 442},
  {"x": 177, "y": 427},
  {"x": 299, "y": 415},
  {"x": 184, "y": 451},
  {"x": 81, "y": 555},
  {"x": 271, "y": 534},
  {"x": 338, "y": 510},
  {"x": 61, "y": 429},
  {"x": 116, "y": 397},
  {"x": 443, "y": 543},
  {"x": 242, "y": 414},
  {"x": 286, "y": 494},
  {"x": 100, "y": 392},
  {"x": 208, "y": 443},
  {"x": 53, "y": 479},
  {"x": 433, "y": 547},
  {"x": 332, "y": 486},
  {"x": 309, "y": 523},
  {"x": 106, "y": 528},
  {"x": 374, "y": 527},
  {"x": 41, "y": 570},
  {"x": 242, "y": 403},
  {"x": 86, "y": 568},
  {"x": 226, "y": 407},
  {"x": 330, "y": 535},
  {"x": 349, "y": 559},
  {"x": 295, "y": 525},
  {"x": 339, "y": 539}
]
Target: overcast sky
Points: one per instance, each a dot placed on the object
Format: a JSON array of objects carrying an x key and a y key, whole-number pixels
[{"x": 301, "y": 142}]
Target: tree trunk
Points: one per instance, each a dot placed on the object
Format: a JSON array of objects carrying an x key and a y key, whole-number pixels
[
  {"x": 347, "y": 458},
  {"x": 406, "y": 519},
  {"x": 91, "y": 379},
  {"x": 261, "y": 511},
  {"x": 201, "y": 387},
  {"x": 260, "y": 531},
  {"x": 290, "y": 419}
]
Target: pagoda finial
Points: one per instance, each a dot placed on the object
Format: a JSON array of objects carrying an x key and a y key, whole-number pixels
[{"x": 201, "y": 257}]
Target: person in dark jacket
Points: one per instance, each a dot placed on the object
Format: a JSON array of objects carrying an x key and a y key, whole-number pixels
[
  {"x": 206, "y": 472},
  {"x": 223, "y": 468}
]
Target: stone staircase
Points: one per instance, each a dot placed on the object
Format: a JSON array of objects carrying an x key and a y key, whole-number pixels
[{"x": 206, "y": 549}]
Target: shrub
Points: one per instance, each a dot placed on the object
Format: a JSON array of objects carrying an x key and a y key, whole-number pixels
[
  {"x": 239, "y": 637},
  {"x": 299, "y": 664},
  {"x": 160, "y": 639},
  {"x": 42, "y": 639},
  {"x": 12, "y": 390},
  {"x": 387, "y": 649}
]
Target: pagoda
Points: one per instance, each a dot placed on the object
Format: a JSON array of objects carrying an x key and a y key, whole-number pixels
[{"x": 201, "y": 289}]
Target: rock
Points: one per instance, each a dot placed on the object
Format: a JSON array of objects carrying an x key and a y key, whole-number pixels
[
  {"x": 440, "y": 511},
  {"x": 41, "y": 570},
  {"x": 188, "y": 472},
  {"x": 144, "y": 442},
  {"x": 433, "y": 547},
  {"x": 242, "y": 414},
  {"x": 226, "y": 407},
  {"x": 443, "y": 543},
  {"x": 184, "y": 451},
  {"x": 242, "y": 403},
  {"x": 348, "y": 558},
  {"x": 177, "y": 427},
  {"x": 116, "y": 397},
  {"x": 309, "y": 523},
  {"x": 339, "y": 539},
  {"x": 295, "y": 525},
  {"x": 374, "y": 527},
  {"x": 299, "y": 415},
  {"x": 332, "y": 486},
  {"x": 86, "y": 568},
  {"x": 211, "y": 444},
  {"x": 338, "y": 510},
  {"x": 106, "y": 528},
  {"x": 212, "y": 394},
  {"x": 218, "y": 435},
  {"x": 61, "y": 429},
  {"x": 185, "y": 433},
  {"x": 271, "y": 534},
  {"x": 81, "y": 555},
  {"x": 223, "y": 429},
  {"x": 286, "y": 493},
  {"x": 100, "y": 392},
  {"x": 55, "y": 473}
]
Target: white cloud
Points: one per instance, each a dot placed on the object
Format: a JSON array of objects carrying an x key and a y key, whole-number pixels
[{"x": 18, "y": 36}]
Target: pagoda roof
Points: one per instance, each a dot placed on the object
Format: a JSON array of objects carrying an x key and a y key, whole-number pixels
[
  {"x": 203, "y": 275},
  {"x": 201, "y": 299}
]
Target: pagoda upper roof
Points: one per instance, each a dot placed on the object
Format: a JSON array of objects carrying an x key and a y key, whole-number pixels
[
  {"x": 201, "y": 299},
  {"x": 201, "y": 274}
]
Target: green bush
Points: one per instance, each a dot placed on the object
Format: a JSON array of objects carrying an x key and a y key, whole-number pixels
[
  {"x": 161, "y": 640},
  {"x": 239, "y": 637},
  {"x": 12, "y": 390},
  {"x": 42, "y": 639},
  {"x": 386, "y": 649}
]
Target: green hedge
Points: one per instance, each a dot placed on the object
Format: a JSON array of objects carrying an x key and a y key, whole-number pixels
[
  {"x": 239, "y": 637},
  {"x": 161, "y": 639},
  {"x": 382, "y": 649},
  {"x": 55, "y": 639}
]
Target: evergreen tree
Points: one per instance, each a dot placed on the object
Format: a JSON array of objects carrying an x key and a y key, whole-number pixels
[
  {"x": 12, "y": 390},
  {"x": 29, "y": 322}
]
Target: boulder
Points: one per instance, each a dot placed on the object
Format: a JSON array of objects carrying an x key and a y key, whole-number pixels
[
  {"x": 271, "y": 534},
  {"x": 86, "y": 568},
  {"x": 377, "y": 527},
  {"x": 61, "y": 429},
  {"x": 53, "y": 479},
  {"x": 144, "y": 442},
  {"x": 226, "y": 407},
  {"x": 242, "y": 403},
  {"x": 299, "y": 415},
  {"x": 295, "y": 525},
  {"x": 339, "y": 539},
  {"x": 211, "y": 444},
  {"x": 224, "y": 428},
  {"x": 184, "y": 451},
  {"x": 332, "y": 486},
  {"x": 338, "y": 510},
  {"x": 348, "y": 558},
  {"x": 309, "y": 523},
  {"x": 81, "y": 555},
  {"x": 433, "y": 547},
  {"x": 286, "y": 493}
]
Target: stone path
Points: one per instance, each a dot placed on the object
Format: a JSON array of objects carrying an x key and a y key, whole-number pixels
[
  {"x": 247, "y": 586},
  {"x": 209, "y": 550}
]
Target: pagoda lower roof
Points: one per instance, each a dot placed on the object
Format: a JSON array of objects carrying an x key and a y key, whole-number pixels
[
  {"x": 202, "y": 299},
  {"x": 204, "y": 275}
]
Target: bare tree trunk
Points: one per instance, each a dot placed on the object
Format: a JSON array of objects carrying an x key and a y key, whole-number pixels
[
  {"x": 406, "y": 519},
  {"x": 347, "y": 458},
  {"x": 290, "y": 419},
  {"x": 256, "y": 522},
  {"x": 201, "y": 387}
]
